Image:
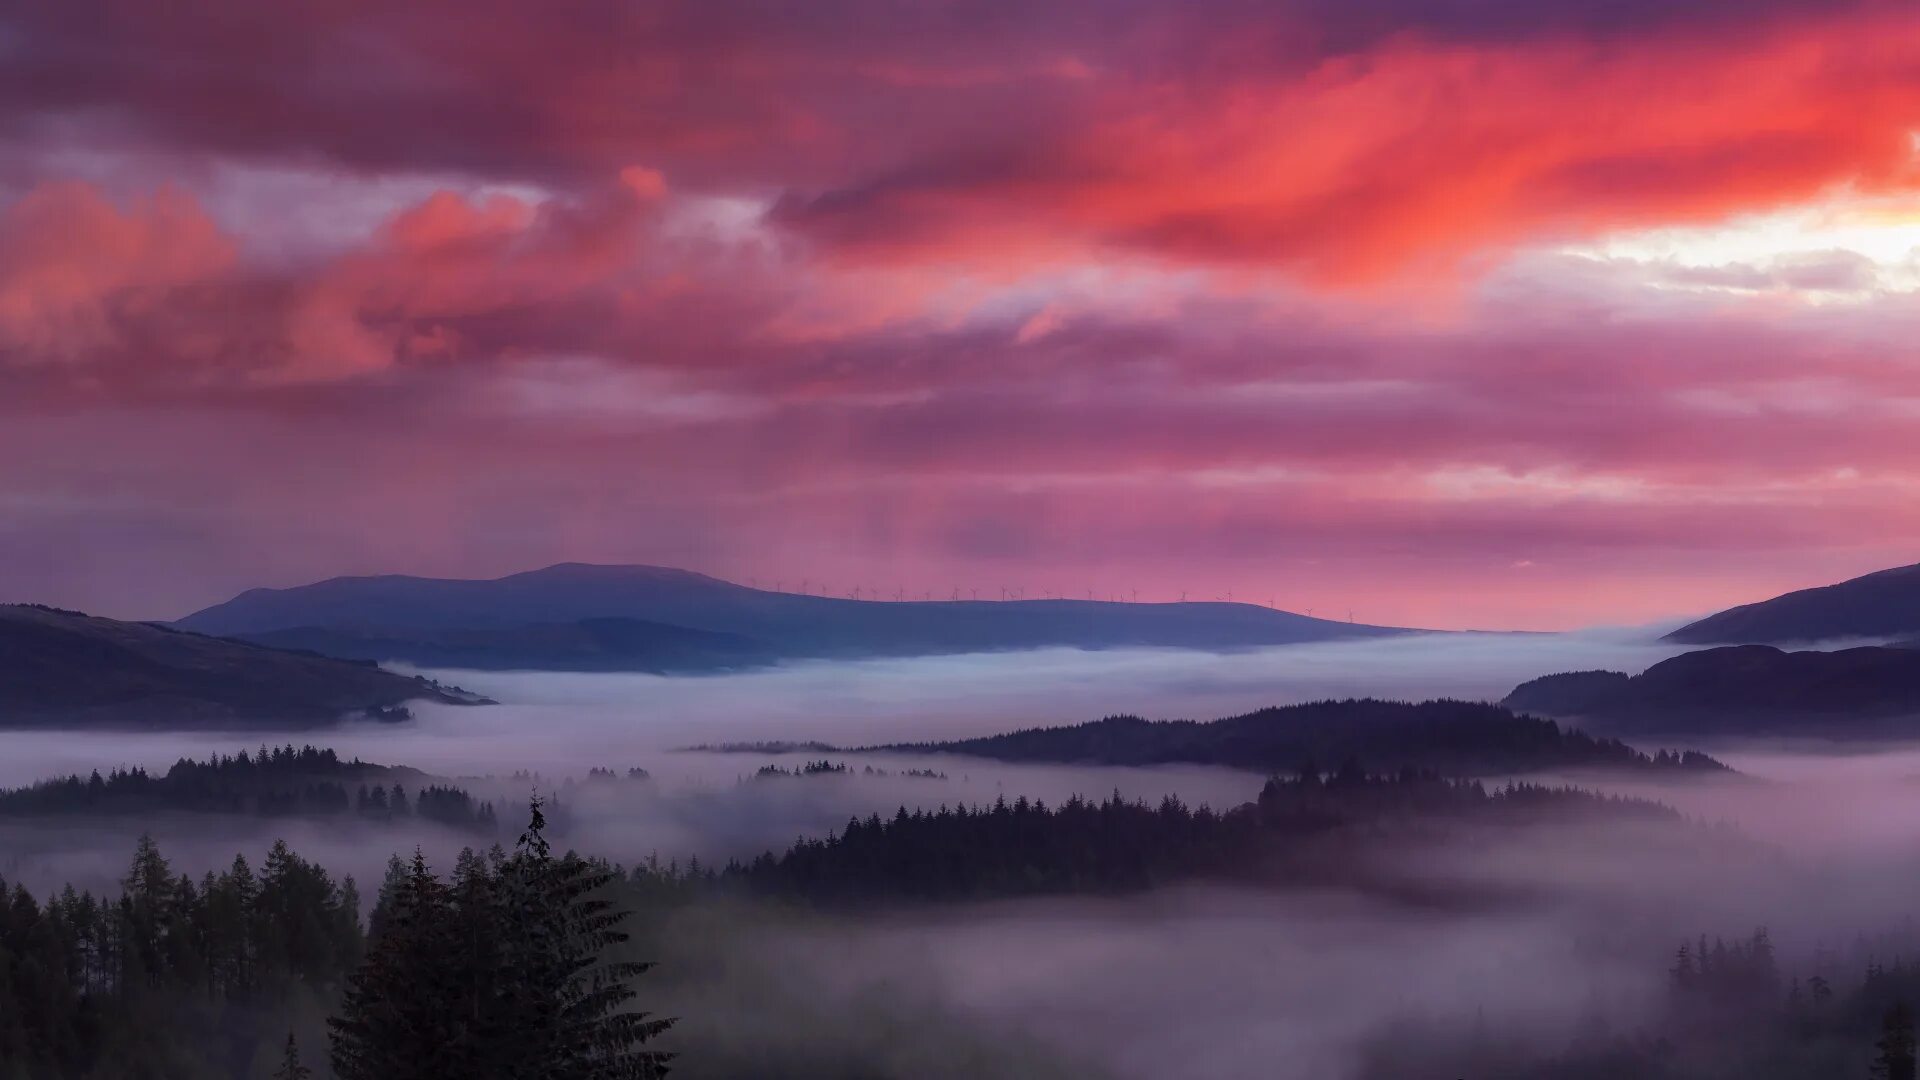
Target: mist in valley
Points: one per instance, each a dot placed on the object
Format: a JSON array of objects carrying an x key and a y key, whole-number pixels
[{"x": 1539, "y": 933}]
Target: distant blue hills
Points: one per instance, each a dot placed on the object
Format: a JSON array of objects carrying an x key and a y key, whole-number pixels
[{"x": 582, "y": 617}]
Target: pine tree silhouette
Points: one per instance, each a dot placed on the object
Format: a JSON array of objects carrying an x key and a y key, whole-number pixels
[
  {"x": 398, "y": 1020},
  {"x": 1896, "y": 1058},
  {"x": 290, "y": 1067},
  {"x": 568, "y": 1005},
  {"x": 502, "y": 976}
]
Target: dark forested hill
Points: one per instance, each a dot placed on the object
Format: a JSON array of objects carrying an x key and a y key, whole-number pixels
[
  {"x": 1301, "y": 831},
  {"x": 1739, "y": 690},
  {"x": 1454, "y": 738},
  {"x": 63, "y": 668},
  {"x": 281, "y": 782},
  {"x": 1880, "y": 605},
  {"x": 535, "y": 619}
]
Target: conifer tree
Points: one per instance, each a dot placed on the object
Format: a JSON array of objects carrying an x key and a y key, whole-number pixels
[
  {"x": 398, "y": 1020},
  {"x": 290, "y": 1067},
  {"x": 568, "y": 1004}
]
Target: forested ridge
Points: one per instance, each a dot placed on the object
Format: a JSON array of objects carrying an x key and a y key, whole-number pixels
[
  {"x": 1299, "y": 830},
  {"x": 1456, "y": 738},
  {"x": 276, "y": 782}
]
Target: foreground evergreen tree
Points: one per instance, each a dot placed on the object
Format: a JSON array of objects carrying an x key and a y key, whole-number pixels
[
  {"x": 397, "y": 1021},
  {"x": 503, "y": 976},
  {"x": 567, "y": 1005}
]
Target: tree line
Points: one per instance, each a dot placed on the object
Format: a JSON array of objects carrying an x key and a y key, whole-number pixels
[
  {"x": 1294, "y": 832},
  {"x": 276, "y": 782}
]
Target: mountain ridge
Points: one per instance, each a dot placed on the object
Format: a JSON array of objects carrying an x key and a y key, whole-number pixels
[
  {"x": 61, "y": 668},
  {"x": 1882, "y": 604},
  {"x": 1453, "y": 738},
  {"x": 785, "y": 625}
]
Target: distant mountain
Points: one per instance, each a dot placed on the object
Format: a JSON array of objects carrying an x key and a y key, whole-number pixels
[
  {"x": 66, "y": 669},
  {"x": 1739, "y": 690},
  {"x": 1879, "y": 605},
  {"x": 1451, "y": 738},
  {"x": 601, "y": 644},
  {"x": 512, "y": 621}
]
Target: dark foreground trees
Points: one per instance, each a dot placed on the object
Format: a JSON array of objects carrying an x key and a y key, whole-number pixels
[
  {"x": 499, "y": 976},
  {"x": 1894, "y": 1058}
]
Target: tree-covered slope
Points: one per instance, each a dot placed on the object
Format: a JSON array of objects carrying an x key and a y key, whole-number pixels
[
  {"x": 1739, "y": 690},
  {"x": 1455, "y": 738}
]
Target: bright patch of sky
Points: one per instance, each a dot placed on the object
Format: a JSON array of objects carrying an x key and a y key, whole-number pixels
[{"x": 1796, "y": 250}]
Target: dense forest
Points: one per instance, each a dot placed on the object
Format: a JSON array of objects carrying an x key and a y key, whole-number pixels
[
  {"x": 1750, "y": 690},
  {"x": 276, "y": 782},
  {"x": 1300, "y": 830},
  {"x": 496, "y": 974},
  {"x": 1456, "y": 738}
]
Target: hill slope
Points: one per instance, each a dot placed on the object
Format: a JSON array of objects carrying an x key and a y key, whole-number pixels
[
  {"x": 777, "y": 624},
  {"x": 1454, "y": 738},
  {"x": 1879, "y": 605},
  {"x": 601, "y": 644},
  {"x": 1738, "y": 690},
  {"x": 63, "y": 668}
]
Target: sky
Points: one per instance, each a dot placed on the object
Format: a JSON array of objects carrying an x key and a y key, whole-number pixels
[{"x": 1452, "y": 313}]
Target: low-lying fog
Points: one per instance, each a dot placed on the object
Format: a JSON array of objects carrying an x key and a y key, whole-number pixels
[
  {"x": 566, "y": 723},
  {"x": 1195, "y": 981}
]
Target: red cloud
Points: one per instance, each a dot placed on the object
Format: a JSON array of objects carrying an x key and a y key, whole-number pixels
[
  {"x": 79, "y": 277},
  {"x": 156, "y": 295},
  {"x": 1341, "y": 140},
  {"x": 1414, "y": 152}
]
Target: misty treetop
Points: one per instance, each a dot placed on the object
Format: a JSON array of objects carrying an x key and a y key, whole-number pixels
[
  {"x": 501, "y": 973},
  {"x": 173, "y": 977},
  {"x": 825, "y": 767},
  {"x": 1729, "y": 1012},
  {"x": 1455, "y": 738}
]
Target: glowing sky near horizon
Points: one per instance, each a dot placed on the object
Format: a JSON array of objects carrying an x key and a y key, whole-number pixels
[{"x": 1446, "y": 313}]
